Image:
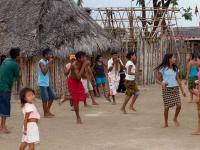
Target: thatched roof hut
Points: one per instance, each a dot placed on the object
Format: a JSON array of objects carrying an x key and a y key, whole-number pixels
[{"x": 60, "y": 25}]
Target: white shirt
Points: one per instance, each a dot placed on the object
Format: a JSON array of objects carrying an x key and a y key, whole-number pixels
[
  {"x": 114, "y": 74},
  {"x": 130, "y": 77},
  {"x": 30, "y": 108}
]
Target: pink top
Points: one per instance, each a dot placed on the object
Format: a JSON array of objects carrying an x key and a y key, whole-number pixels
[
  {"x": 30, "y": 108},
  {"x": 199, "y": 75}
]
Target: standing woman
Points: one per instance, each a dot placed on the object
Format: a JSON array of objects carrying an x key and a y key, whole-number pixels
[
  {"x": 192, "y": 75},
  {"x": 100, "y": 75},
  {"x": 168, "y": 72}
]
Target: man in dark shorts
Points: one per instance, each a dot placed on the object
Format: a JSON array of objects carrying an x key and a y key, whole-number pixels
[{"x": 9, "y": 72}]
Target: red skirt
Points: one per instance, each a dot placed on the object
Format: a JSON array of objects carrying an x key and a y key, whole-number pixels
[{"x": 76, "y": 91}]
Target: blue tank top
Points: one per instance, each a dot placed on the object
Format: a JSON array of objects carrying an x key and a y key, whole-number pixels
[
  {"x": 43, "y": 80},
  {"x": 193, "y": 71}
]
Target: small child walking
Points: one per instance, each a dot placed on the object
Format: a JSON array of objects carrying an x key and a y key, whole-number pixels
[
  {"x": 132, "y": 90},
  {"x": 192, "y": 75},
  {"x": 197, "y": 132},
  {"x": 31, "y": 117}
]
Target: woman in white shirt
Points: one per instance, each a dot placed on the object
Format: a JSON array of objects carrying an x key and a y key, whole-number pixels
[{"x": 132, "y": 90}]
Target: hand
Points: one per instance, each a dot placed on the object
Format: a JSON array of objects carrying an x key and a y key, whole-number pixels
[
  {"x": 86, "y": 63},
  {"x": 184, "y": 94},
  {"x": 25, "y": 132},
  {"x": 163, "y": 85},
  {"x": 50, "y": 61},
  {"x": 186, "y": 82}
]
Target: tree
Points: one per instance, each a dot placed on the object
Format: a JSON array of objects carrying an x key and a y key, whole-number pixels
[{"x": 80, "y": 3}]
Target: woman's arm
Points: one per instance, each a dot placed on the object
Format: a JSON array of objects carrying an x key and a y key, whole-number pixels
[
  {"x": 188, "y": 71},
  {"x": 158, "y": 79},
  {"x": 131, "y": 73},
  {"x": 180, "y": 85}
]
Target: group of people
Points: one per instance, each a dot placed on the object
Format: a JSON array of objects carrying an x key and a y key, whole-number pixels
[{"x": 84, "y": 79}]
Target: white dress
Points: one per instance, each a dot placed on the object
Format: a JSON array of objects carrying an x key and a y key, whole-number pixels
[{"x": 32, "y": 135}]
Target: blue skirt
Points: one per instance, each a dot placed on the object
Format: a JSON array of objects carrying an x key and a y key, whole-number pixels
[{"x": 5, "y": 106}]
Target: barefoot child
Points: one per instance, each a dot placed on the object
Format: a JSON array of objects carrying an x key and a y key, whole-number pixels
[
  {"x": 132, "y": 90},
  {"x": 87, "y": 83},
  {"x": 100, "y": 74},
  {"x": 197, "y": 132},
  {"x": 192, "y": 74},
  {"x": 170, "y": 84},
  {"x": 74, "y": 83},
  {"x": 67, "y": 69},
  {"x": 31, "y": 117}
]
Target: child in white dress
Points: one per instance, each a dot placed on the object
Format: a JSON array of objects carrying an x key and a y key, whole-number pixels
[{"x": 31, "y": 117}]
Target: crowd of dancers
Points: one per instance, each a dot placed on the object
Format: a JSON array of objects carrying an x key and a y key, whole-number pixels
[{"x": 85, "y": 79}]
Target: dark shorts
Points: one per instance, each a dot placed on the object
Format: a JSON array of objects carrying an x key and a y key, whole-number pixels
[
  {"x": 100, "y": 80},
  {"x": 131, "y": 88},
  {"x": 47, "y": 93},
  {"x": 5, "y": 107},
  {"x": 191, "y": 83}
]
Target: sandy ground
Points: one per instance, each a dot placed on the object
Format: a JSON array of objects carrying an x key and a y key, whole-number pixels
[{"x": 106, "y": 128}]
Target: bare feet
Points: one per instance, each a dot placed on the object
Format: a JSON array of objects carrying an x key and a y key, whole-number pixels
[
  {"x": 108, "y": 98},
  {"x": 87, "y": 106},
  {"x": 79, "y": 121},
  {"x": 196, "y": 133},
  {"x": 5, "y": 131},
  {"x": 114, "y": 103},
  {"x": 95, "y": 103},
  {"x": 124, "y": 111},
  {"x": 165, "y": 126},
  {"x": 177, "y": 124},
  {"x": 62, "y": 101},
  {"x": 72, "y": 109},
  {"x": 132, "y": 108},
  {"x": 49, "y": 115}
]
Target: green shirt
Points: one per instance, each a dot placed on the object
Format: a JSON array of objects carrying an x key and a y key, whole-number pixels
[{"x": 9, "y": 72}]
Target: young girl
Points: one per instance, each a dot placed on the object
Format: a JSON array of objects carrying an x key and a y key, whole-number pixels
[
  {"x": 192, "y": 74},
  {"x": 87, "y": 83},
  {"x": 31, "y": 117},
  {"x": 168, "y": 72},
  {"x": 132, "y": 90},
  {"x": 100, "y": 75},
  {"x": 197, "y": 132}
]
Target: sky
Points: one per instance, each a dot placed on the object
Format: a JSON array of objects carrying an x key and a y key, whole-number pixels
[{"x": 127, "y": 3}]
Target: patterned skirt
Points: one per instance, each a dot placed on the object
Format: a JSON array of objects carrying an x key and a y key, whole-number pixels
[{"x": 171, "y": 97}]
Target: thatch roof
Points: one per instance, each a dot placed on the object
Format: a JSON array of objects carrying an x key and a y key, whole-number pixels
[{"x": 60, "y": 25}]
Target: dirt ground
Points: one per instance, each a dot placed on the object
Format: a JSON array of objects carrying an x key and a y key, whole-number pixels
[{"x": 106, "y": 128}]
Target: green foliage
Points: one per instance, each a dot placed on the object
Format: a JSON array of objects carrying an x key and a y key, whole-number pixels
[
  {"x": 140, "y": 2},
  {"x": 174, "y": 2},
  {"x": 187, "y": 13},
  {"x": 79, "y": 2}
]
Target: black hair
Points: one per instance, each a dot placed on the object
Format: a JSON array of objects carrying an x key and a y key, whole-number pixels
[
  {"x": 46, "y": 52},
  {"x": 80, "y": 54},
  {"x": 130, "y": 54},
  {"x": 98, "y": 57},
  {"x": 14, "y": 52},
  {"x": 2, "y": 58},
  {"x": 192, "y": 55},
  {"x": 23, "y": 93},
  {"x": 166, "y": 63},
  {"x": 113, "y": 53}
]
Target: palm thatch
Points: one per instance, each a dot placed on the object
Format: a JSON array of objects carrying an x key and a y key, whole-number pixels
[{"x": 61, "y": 25}]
